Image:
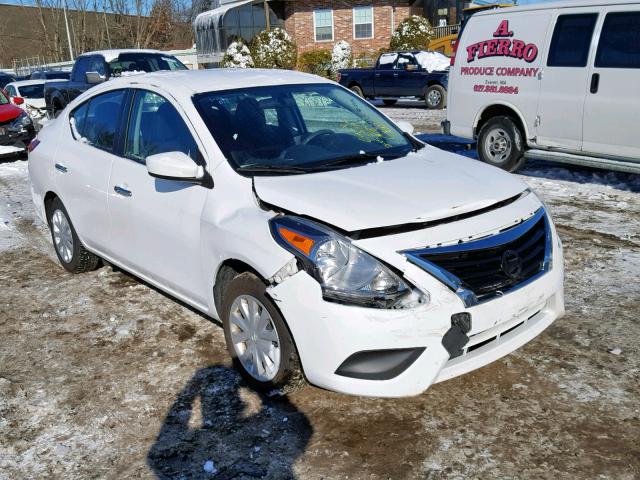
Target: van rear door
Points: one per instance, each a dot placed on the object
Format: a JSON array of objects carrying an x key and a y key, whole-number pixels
[
  {"x": 565, "y": 79},
  {"x": 612, "y": 106}
]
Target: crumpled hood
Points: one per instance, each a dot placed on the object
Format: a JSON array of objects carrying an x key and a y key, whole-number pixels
[{"x": 428, "y": 185}]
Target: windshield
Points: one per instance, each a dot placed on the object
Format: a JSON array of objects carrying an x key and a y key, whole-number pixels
[
  {"x": 32, "y": 91},
  {"x": 298, "y": 127},
  {"x": 144, "y": 62}
]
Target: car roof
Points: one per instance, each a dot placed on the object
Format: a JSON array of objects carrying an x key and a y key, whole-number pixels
[
  {"x": 191, "y": 82},
  {"x": 114, "y": 53},
  {"x": 555, "y": 5},
  {"x": 25, "y": 83}
]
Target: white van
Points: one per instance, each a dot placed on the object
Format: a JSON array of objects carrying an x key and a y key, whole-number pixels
[{"x": 557, "y": 81}]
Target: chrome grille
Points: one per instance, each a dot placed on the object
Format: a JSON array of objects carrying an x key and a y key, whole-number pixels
[{"x": 482, "y": 269}]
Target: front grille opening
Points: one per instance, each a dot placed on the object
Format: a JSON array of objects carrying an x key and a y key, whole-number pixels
[
  {"x": 484, "y": 272},
  {"x": 501, "y": 334},
  {"x": 481, "y": 344},
  {"x": 512, "y": 328}
]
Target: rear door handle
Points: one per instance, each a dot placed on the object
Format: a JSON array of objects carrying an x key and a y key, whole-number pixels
[
  {"x": 122, "y": 191},
  {"x": 595, "y": 83},
  {"x": 61, "y": 168}
]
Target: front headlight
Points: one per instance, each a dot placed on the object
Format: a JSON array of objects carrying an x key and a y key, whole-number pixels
[
  {"x": 23, "y": 120},
  {"x": 345, "y": 273}
]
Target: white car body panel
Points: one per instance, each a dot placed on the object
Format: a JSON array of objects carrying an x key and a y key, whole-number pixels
[
  {"x": 422, "y": 184},
  {"x": 176, "y": 235}
]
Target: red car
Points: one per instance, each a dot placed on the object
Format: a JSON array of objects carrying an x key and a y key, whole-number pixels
[{"x": 16, "y": 129}]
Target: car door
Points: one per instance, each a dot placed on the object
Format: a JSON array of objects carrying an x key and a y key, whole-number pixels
[
  {"x": 156, "y": 222},
  {"x": 385, "y": 74},
  {"x": 565, "y": 80},
  {"x": 83, "y": 165},
  {"x": 612, "y": 106},
  {"x": 411, "y": 78}
]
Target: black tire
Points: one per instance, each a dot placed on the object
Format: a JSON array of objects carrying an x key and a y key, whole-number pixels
[
  {"x": 501, "y": 144},
  {"x": 435, "y": 97},
  {"x": 81, "y": 259},
  {"x": 357, "y": 90},
  {"x": 289, "y": 375},
  {"x": 389, "y": 103},
  {"x": 57, "y": 109}
]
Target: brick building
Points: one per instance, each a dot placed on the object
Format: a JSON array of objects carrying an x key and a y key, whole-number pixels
[{"x": 314, "y": 24}]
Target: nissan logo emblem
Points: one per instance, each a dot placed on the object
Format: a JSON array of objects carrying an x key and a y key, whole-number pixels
[{"x": 511, "y": 264}]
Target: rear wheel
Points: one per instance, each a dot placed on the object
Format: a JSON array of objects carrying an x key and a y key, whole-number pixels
[
  {"x": 389, "y": 103},
  {"x": 500, "y": 143},
  {"x": 70, "y": 251},
  {"x": 435, "y": 97},
  {"x": 257, "y": 337},
  {"x": 357, "y": 90}
]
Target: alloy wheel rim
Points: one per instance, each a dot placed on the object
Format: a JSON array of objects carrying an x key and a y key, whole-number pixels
[
  {"x": 62, "y": 236},
  {"x": 434, "y": 97},
  {"x": 255, "y": 338},
  {"x": 497, "y": 145}
]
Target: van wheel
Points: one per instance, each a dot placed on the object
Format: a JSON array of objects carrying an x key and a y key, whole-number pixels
[
  {"x": 435, "y": 97},
  {"x": 389, "y": 103},
  {"x": 257, "y": 337},
  {"x": 500, "y": 144},
  {"x": 70, "y": 251},
  {"x": 357, "y": 90}
]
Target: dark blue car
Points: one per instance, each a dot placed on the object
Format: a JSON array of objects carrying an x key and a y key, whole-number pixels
[{"x": 401, "y": 74}]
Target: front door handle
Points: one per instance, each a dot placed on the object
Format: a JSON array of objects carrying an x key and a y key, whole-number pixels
[
  {"x": 122, "y": 191},
  {"x": 595, "y": 83},
  {"x": 61, "y": 168}
]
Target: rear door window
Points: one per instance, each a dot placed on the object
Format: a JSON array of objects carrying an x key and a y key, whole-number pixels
[
  {"x": 571, "y": 40},
  {"x": 619, "y": 45},
  {"x": 96, "y": 121},
  {"x": 82, "y": 64}
]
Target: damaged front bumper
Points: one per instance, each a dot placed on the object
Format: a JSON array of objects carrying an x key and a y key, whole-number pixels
[
  {"x": 401, "y": 352},
  {"x": 14, "y": 142}
]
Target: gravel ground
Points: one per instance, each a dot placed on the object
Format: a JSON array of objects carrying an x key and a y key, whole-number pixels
[{"x": 102, "y": 376}]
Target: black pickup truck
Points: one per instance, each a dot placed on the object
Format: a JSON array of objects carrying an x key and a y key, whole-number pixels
[
  {"x": 402, "y": 74},
  {"x": 96, "y": 67}
]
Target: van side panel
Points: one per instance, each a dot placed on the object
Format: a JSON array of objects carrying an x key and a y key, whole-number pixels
[{"x": 498, "y": 61}]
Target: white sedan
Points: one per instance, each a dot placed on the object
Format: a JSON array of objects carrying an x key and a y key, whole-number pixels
[
  {"x": 28, "y": 95},
  {"x": 332, "y": 245}
]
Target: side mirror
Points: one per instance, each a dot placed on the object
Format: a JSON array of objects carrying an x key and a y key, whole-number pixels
[
  {"x": 175, "y": 166},
  {"x": 17, "y": 100},
  {"x": 405, "y": 126},
  {"x": 93, "y": 78}
]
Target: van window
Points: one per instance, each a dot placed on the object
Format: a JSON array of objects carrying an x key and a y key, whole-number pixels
[
  {"x": 619, "y": 45},
  {"x": 571, "y": 40}
]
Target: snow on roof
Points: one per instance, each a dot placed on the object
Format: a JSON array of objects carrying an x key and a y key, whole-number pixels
[
  {"x": 110, "y": 55},
  {"x": 433, "y": 61},
  {"x": 212, "y": 17}
]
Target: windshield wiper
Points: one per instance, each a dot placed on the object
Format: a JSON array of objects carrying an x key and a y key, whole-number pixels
[
  {"x": 362, "y": 157},
  {"x": 272, "y": 169}
]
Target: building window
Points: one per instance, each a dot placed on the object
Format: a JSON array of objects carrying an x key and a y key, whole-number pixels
[
  {"x": 323, "y": 24},
  {"x": 362, "y": 22}
]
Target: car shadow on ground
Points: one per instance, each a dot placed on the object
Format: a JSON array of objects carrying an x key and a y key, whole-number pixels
[{"x": 218, "y": 428}]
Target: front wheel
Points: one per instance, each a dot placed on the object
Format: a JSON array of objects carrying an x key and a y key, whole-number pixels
[
  {"x": 70, "y": 251},
  {"x": 257, "y": 337},
  {"x": 500, "y": 144},
  {"x": 435, "y": 97}
]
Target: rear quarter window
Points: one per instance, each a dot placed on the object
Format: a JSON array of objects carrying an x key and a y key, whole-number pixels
[{"x": 619, "y": 45}]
